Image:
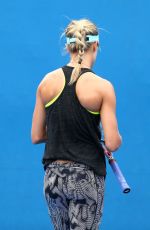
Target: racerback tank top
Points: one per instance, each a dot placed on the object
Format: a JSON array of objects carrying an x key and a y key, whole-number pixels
[{"x": 73, "y": 132}]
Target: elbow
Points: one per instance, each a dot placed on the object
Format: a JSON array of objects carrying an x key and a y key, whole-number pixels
[
  {"x": 35, "y": 139},
  {"x": 113, "y": 144}
]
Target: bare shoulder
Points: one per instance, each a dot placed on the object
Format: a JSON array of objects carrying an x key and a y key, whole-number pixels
[
  {"x": 103, "y": 83},
  {"x": 47, "y": 78}
]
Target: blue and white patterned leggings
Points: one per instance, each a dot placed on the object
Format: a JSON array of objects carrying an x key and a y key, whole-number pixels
[{"x": 74, "y": 195}]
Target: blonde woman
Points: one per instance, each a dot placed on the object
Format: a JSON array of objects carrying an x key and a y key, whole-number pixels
[{"x": 71, "y": 103}]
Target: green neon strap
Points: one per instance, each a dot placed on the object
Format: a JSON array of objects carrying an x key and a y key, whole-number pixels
[
  {"x": 55, "y": 98},
  {"x": 95, "y": 113}
]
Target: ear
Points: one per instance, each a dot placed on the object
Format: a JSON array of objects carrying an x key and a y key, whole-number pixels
[
  {"x": 67, "y": 48},
  {"x": 94, "y": 46}
]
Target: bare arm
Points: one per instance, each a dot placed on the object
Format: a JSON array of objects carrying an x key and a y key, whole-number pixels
[
  {"x": 38, "y": 130},
  {"x": 108, "y": 118}
]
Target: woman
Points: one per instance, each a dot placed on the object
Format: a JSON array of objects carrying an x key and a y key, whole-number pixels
[{"x": 71, "y": 103}]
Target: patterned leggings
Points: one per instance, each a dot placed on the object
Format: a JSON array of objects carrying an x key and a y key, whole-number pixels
[{"x": 74, "y": 195}]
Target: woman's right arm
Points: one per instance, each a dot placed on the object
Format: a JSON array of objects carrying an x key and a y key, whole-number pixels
[{"x": 112, "y": 136}]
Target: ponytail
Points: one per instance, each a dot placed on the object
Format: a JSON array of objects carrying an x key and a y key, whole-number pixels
[
  {"x": 78, "y": 29},
  {"x": 80, "y": 45}
]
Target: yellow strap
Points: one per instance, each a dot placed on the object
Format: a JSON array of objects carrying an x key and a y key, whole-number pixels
[
  {"x": 55, "y": 98},
  {"x": 95, "y": 113}
]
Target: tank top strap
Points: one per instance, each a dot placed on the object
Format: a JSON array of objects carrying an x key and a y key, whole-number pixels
[
  {"x": 68, "y": 71},
  {"x": 85, "y": 70}
]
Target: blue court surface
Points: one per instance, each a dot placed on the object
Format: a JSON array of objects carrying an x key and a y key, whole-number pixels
[{"x": 30, "y": 47}]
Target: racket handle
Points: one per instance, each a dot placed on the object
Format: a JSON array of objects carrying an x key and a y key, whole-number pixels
[{"x": 122, "y": 181}]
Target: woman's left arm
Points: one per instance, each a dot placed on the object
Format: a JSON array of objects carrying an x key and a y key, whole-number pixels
[{"x": 39, "y": 129}]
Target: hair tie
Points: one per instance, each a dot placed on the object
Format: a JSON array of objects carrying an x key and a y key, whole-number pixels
[{"x": 80, "y": 61}]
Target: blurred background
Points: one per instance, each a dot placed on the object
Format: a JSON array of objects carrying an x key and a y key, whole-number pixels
[{"x": 30, "y": 47}]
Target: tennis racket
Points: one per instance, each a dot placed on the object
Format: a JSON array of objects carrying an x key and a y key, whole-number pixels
[{"x": 121, "y": 179}]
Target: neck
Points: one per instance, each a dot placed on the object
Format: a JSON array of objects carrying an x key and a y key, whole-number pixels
[{"x": 86, "y": 63}]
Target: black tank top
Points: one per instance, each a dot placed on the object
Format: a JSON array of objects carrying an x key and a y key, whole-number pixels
[{"x": 73, "y": 132}]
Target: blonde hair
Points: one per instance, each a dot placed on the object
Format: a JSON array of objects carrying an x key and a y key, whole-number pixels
[{"x": 79, "y": 29}]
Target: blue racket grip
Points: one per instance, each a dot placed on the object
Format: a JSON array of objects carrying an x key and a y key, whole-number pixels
[{"x": 122, "y": 181}]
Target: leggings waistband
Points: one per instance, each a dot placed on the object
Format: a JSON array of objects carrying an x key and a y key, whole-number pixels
[{"x": 68, "y": 164}]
